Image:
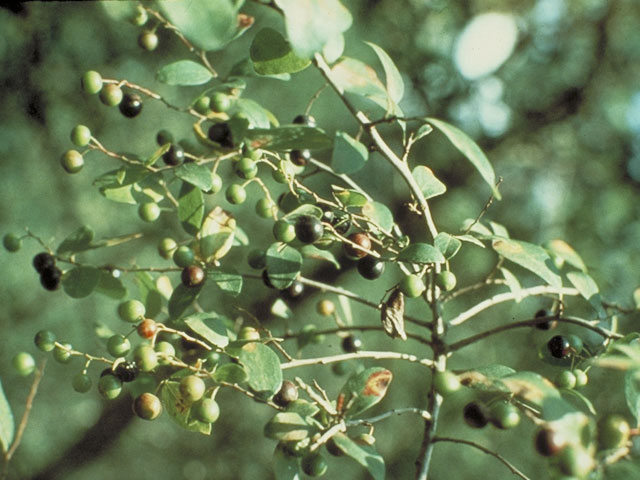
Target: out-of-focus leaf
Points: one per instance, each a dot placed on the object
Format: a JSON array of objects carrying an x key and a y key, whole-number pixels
[
  {"x": 111, "y": 286},
  {"x": 190, "y": 208},
  {"x": 80, "y": 282},
  {"x": 532, "y": 257},
  {"x": 632, "y": 392},
  {"x": 149, "y": 294},
  {"x": 78, "y": 241},
  {"x": 512, "y": 283},
  {"x": 349, "y": 155},
  {"x": 589, "y": 290},
  {"x": 184, "y": 72},
  {"x": 365, "y": 455},
  {"x": 285, "y": 466},
  {"x": 283, "y": 264},
  {"x": 272, "y": 55},
  {"x": 7, "y": 425}
]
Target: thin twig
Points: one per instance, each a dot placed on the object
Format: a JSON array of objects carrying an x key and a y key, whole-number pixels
[
  {"x": 383, "y": 416},
  {"x": 486, "y": 207},
  {"x": 350, "y": 356},
  {"x": 362, "y": 328}
]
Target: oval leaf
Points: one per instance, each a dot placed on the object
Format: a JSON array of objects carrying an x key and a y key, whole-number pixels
[
  {"x": 190, "y": 208},
  {"x": 81, "y": 281},
  {"x": 288, "y": 427},
  {"x": 210, "y": 327},
  {"x": 263, "y": 368},
  {"x": 283, "y": 265},
  {"x": 421, "y": 253},
  {"x": 179, "y": 410},
  {"x": 7, "y": 425},
  {"x": 447, "y": 244},
  {"x": 365, "y": 389},
  {"x": 632, "y": 392},
  {"x": 379, "y": 214},
  {"x": 427, "y": 181},
  {"x": 230, "y": 373},
  {"x": 365, "y": 455},
  {"x": 289, "y": 137},
  {"x": 181, "y": 299},
  {"x": 184, "y": 72},
  {"x": 78, "y": 241},
  {"x": 532, "y": 257},
  {"x": 272, "y": 55},
  {"x": 349, "y": 155},
  {"x": 197, "y": 175},
  {"x": 228, "y": 280},
  {"x": 395, "y": 84},
  {"x": 563, "y": 250},
  {"x": 589, "y": 290},
  {"x": 111, "y": 286}
]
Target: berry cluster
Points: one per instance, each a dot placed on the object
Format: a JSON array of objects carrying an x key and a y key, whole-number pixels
[{"x": 50, "y": 274}]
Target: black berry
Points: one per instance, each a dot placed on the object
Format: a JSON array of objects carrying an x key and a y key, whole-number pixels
[
  {"x": 221, "y": 133},
  {"x": 370, "y": 267},
  {"x": 545, "y": 325},
  {"x": 300, "y": 157},
  {"x": 475, "y": 415},
  {"x": 559, "y": 347},
  {"x": 309, "y": 229},
  {"x": 548, "y": 442},
  {"x": 307, "y": 120},
  {"x": 342, "y": 223},
  {"x": 43, "y": 261},
  {"x": 174, "y": 156},
  {"x": 351, "y": 344},
  {"x": 126, "y": 371},
  {"x": 192, "y": 276},
  {"x": 288, "y": 393},
  {"x": 131, "y": 105},
  {"x": 266, "y": 279},
  {"x": 50, "y": 278}
]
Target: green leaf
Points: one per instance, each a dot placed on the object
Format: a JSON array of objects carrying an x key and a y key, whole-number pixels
[
  {"x": 305, "y": 209},
  {"x": 349, "y": 155},
  {"x": 280, "y": 309},
  {"x": 532, "y": 257},
  {"x": 421, "y": 253},
  {"x": 564, "y": 251},
  {"x": 469, "y": 149},
  {"x": 244, "y": 68},
  {"x": 102, "y": 331},
  {"x": 230, "y": 373},
  {"x": 207, "y": 24},
  {"x": 423, "y": 131},
  {"x": 228, "y": 280},
  {"x": 190, "y": 208},
  {"x": 209, "y": 326},
  {"x": 395, "y": 84},
  {"x": 283, "y": 265},
  {"x": 197, "y": 175},
  {"x": 78, "y": 241},
  {"x": 531, "y": 387},
  {"x": 365, "y": 455},
  {"x": 216, "y": 246},
  {"x": 632, "y": 392},
  {"x": 379, "y": 214},
  {"x": 263, "y": 368},
  {"x": 111, "y": 286},
  {"x": 303, "y": 407},
  {"x": 512, "y": 283},
  {"x": 311, "y": 251},
  {"x": 184, "y": 72},
  {"x": 149, "y": 294},
  {"x": 285, "y": 466},
  {"x": 622, "y": 470},
  {"x": 288, "y": 427},
  {"x": 311, "y": 24},
  {"x": 80, "y": 282},
  {"x": 349, "y": 198},
  {"x": 333, "y": 49},
  {"x": 447, "y": 244},
  {"x": 118, "y": 185},
  {"x": 259, "y": 116},
  {"x": 427, "y": 181},
  {"x": 499, "y": 230},
  {"x": 289, "y": 137},
  {"x": 157, "y": 154},
  {"x": 120, "y": 11},
  {"x": 7, "y": 426},
  {"x": 575, "y": 397},
  {"x": 365, "y": 389},
  {"x": 589, "y": 290},
  {"x": 182, "y": 298},
  {"x": 272, "y": 55},
  {"x": 179, "y": 410},
  {"x": 353, "y": 76},
  {"x": 486, "y": 378}
]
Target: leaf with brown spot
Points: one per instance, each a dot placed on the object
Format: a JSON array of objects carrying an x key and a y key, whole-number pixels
[{"x": 363, "y": 390}]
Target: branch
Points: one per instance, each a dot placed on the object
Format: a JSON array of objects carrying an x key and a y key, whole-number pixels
[
  {"x": 383, "y": 416},
  {"x": 349, "y": 356},
  {"x": 508, "y": 464},
  {"x": 362, "y": 328}
]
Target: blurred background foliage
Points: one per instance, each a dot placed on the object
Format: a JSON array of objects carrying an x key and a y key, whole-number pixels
[{"x": 559, "y": 119}]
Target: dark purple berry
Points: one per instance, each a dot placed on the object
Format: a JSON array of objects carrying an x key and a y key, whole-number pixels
[
  {"x": 50, "y": 278},
  {"x": 221, "y": 133},
  {"x": 192, "y": 276},
  {"x": 545, "y": 325},
  {"x": 475, "y": 415},
  {"x": 559, "y": 347},
  {"x": 300, "y": 157},
  {"x": 370, "y": 267},
  {"x": 549, "y": 442},
  {"x": 43, "y": 261},
  {"x": 174, "y": 156},
  {"x": 307, "y": 120},
  {"x": 266, "y": 279},
  {"x": 131, "y": 105},
  {"x": 288, "y": 393},
  {"x": 351, "y": 344},
  {"x": 308, "y": 229},
  {"x": 126, "y": 371}
]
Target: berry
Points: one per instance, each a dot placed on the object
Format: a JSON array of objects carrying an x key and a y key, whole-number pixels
[
  {"x": 340, "y": 368},
  {"x": 91, "y": 82},
  {"x": 283, "y": 231},
  {"x": 192, "y": 388},
  {"x": 140, "y": 17},
  {"x": 43, "y": 261},
  {"x": 192, "y": 276},
  {"x": 126, "y": 371},
  {"x": 109, "y": 386},
  {"x": 163, "y": 137},
  {"x": 326, "y": 308},
  {"x": 265, "y": 208},
  {"x": 220, "y": 102},
  {"x": 308, "y": 229},
  {"x": 81, "y": 382},
  {"x": 288, "y": 393},
  {"x": 475, "y": 415},
  {"x": 575, "y": 461},
  {"x": 351, "y": 344},
  {"x": 45, "y": 340},
  {"x": 504, "y": 415},
  {"x": 549, "y": 442},
  {"x": 548, "y": 325},
  {"x": 80, "y": 136},
  {"x": 559, "y": 347},
  {"x": 256, "y": 259},
  {"x": 50, "y": 278},
  {"x": 148, "y": 41},
  {"x": 147, "y": 328},
  {"x": 342, "y": 223},
  {"x": 246, "y": 168},
  {"x": 412, "y": 286},
  {"x": 565, "y": 379},
  {"x": 300, "y": 157},
  {"x": 613, "y": 432},
  {"x": 174, "y": 156},
  {"x": 216, "y": 183},
  {"x": 145, "y": 357},
  {"x": 131, "y": 311},
  {"x": 166, "y": 247},
  {"x": 221, "y": 133},
  {"x": 307, "y": 120},
  {"x": 147, "y": 406},
  {"x": 72, "y": 161},
  {"x": 118, "y": 346},
  {"x": 12, "y": 243},
  {"x": 236, "y": 194},
  {"x": 314, "y": 465},
  {"x": 333, "y": 448},
  {"x": 581, "y": 378},
  {"x": 370, "y": 267},
  {"x": 446, "y": 382},
  {"x": 361, "y": 240},
  {"x": 111, "y": 95},
  {"x": 576, "y": 343},
  {"x": 202, "y": 105},
  {"x": 183, "y": 256},
  {"x": 248, "y": 333},
  {"x": 149, "y": 211},
  {"x": 24, "y": 364},
  {"x": 165, "y": 351},
  {"x": 294, "y": 290},
  {"x": 206, "y": 410},
  {"x": 62, "y": 353},
  {"x": 131, "y": 105},
  {"x": 446, "y": 280},
  {"x": 266, "y": 280}
]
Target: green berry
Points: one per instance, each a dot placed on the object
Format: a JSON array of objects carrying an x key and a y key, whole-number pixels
[
  {"x": 91, "y": 82},
  {"x": 145, "y": 357},
  {"x": 45, "y": 340},
  {"x": 118, "y": 346},
  {"x": 81, "y": 382},
  {"x": 581, "y": 378},
  {"x": 166, "y": 351},
  {"x": 149, "y": 211},
  {"x": 314, "y": 465},
  {"x": 109, "y": 386},
  {"x": 412, "y": 286},
  {"x": 446, "y": 280},
  {"x": 62, "y": 354},
  {"x": 325, "y": 307},
  {"x": 148, "y": 41},
  {"x": 202, "y": 105},
  {"x": 24, "y": 364},
  {"x": 12, "y": 243},
  {"x": 220, "y": 102},
  {"x": 131, "y": 311},
  {"x": 575, "y": 461},
  {"x": 283, "y": 231},
  {"x": 192, "y": 388},
  {"x": 248, "y": 333},
  {"x": 147, "y": 406},
  {"x": 166, "y": 247},
  {"x": 565, "y": 379},
  {"x": 613, "y": 432},
  {"x": 504, "y": 415},
  {"x": 236, "y": 194},
  {"x": 111, "y": 95},
  {"x": 80, "y": 135},
  {"x": 183, "y": 256},
  {"x": 576, "y": 343},
  {"x": 140, "y": 17},
  {"x": 206, "y": 410},
  {"x": 446, "y": 382},
  {"x": 163, "y": 137},
  {"x": 265, "y": 208},
  {"x": 216, "y": 183},
  {"x": 72, "y": 161}
]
